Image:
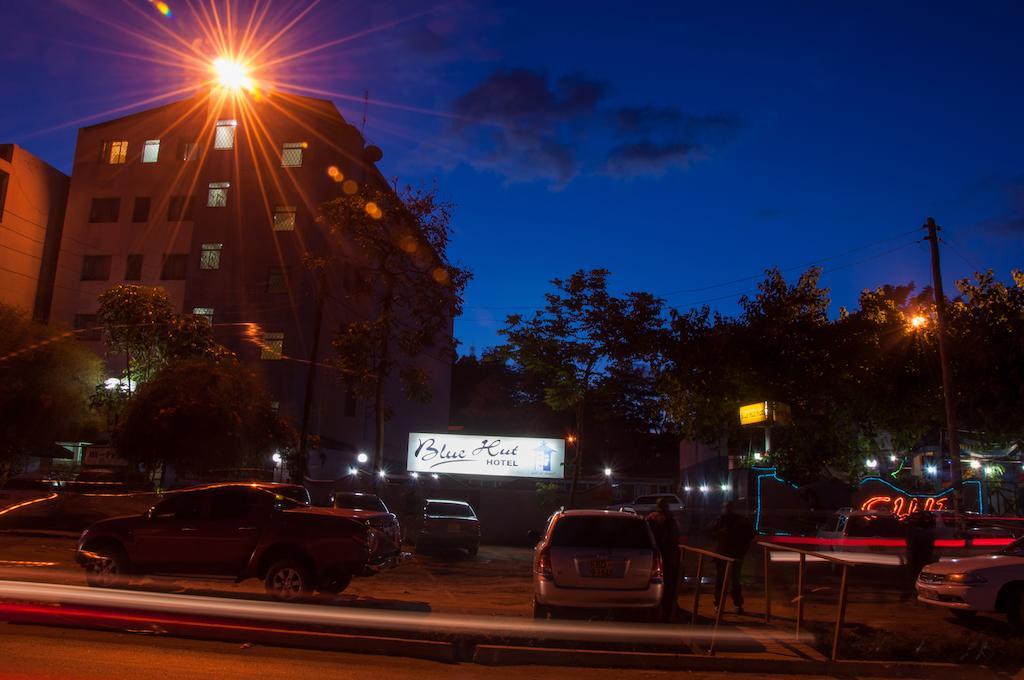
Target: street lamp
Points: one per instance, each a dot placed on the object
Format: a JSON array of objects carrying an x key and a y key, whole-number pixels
[
  {"x": 414, "y": 475},
  {"x": 704, "y": 488},
  {"x": 931, "y": 469},
  {"x": 871, "y": 463},
  {"x": 607, "y": 472},
  {"x": 918, "y": 321},
  {"x": 435, "y": 475},
  {"x": 974, "y": 464},
  {"x": 353, "y": 471},
  {"x": 362, "y": 458}
]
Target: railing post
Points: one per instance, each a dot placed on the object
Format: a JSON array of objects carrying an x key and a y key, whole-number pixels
[
  {"x": 840, "y": 614},
  {"x": 800, "y": 594},
  {"x": 721, "y": 606},
  {"x": 696, "y": 591},
  {"x": 767, "y": 585}
]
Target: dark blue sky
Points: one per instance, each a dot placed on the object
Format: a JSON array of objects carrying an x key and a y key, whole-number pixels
[{"x": 682, "y": 146}]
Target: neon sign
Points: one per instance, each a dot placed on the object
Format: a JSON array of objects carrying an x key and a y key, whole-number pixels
[{"x": 902, "y": 506}]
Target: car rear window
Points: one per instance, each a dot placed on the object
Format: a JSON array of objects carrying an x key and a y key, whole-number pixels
[
  {"x": 877, "y": 525},
  {"x": 299, "y": 494},
  {"x": 356, "y": 502},
  {"x": 601, "y": 532},
  {"x": 442, "y": 509}
]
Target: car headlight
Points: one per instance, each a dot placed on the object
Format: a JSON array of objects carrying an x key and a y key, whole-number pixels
[{"x": 966, "y": 578}]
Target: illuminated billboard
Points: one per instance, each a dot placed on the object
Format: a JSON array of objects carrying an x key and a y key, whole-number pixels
[{"x": 465, "y": 454}]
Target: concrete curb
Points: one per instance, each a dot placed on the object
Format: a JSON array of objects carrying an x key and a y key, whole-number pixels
[{"x": 497, "y": 655}]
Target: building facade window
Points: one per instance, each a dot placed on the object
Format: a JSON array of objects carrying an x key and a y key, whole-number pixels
[
  {"x": 96, "y": 268},
  {"x": 224, "y": 135},
  {"x": 4, "y": 178},
  {"x": 188, "y": 150},
  {"x": 104, "y": 209},
  {"x": 291, "y": 154},
  {"x": 179, "y": 209},
  {"x": 115, "y": 152},
  {"x": 277, "y": 280},
  {"x": 204, "y": 312},
  {"x": 86, "y": 323},
  {"x": 175, "y": 267},
  {"x": 209, "y": 256},
  {"x": 133, "y": 268},
  {"x": 272, "y": 346},
  {"x": 218, "y": 195},
  {"x": 140, "y": 211},
  {"x": 151, "y": 151},
  {"x": 284, "y": 218}
]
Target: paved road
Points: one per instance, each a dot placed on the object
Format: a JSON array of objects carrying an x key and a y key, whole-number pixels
[{"x": 29, "y": 652}]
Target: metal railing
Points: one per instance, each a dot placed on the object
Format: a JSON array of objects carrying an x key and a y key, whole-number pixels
[
  {"x": 768, "y": 547},
  {"x": 701, "y": 553}
]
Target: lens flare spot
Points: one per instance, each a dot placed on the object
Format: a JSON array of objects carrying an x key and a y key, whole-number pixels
[
  {"x": 161, "y": 7},
  {"x": 333, "y": 171},
  {"x": 440, "y": 275},
  {"x": 408, "y": 244},
  {"x": 350, "y": 187},
  {"x": 371, "y": 208}
]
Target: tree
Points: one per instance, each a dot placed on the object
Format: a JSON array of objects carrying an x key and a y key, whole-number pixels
[
  {"x": 582, "y": 334},
  {"x": 45, "y": 382},
  {"x": 412, "y": 289},
  {"x": 197, "y": 414},
  {"x": 140, "y": 323}
]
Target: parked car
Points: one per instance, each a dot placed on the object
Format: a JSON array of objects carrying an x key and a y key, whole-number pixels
[
  {"x": 985, "y": 583},
  {"x": 596, "y": 559},
  {"x": 21, "y": 489},
  {"x": 445, "y": 524},
  {"x": 644, "y": 505},
  {"x": 864, "y": 531},
  {"x": 370, "y": 510},
  {"x": 235, "y": 531}
]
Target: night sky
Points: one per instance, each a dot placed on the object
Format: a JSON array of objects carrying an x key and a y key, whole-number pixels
[{"x": 684, "y": 147}]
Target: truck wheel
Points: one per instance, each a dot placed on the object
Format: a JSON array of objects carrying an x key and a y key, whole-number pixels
[
  {"x": 109, "y": 569},
  {"x": 289, "y": 580}
]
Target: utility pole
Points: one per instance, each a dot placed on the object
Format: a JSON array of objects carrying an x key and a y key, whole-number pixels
[
  {"x": 307, "y": 404},
  {"x": 956, "y": 477}
]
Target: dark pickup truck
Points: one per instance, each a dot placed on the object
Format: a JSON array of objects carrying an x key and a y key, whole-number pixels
[{"x": 237, "y": 531}]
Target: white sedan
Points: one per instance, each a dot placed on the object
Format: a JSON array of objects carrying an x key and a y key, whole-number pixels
[{"x": 968, "y": 585}]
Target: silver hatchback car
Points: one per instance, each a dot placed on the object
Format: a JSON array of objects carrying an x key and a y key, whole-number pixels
[{"x": 596, "y": 559}]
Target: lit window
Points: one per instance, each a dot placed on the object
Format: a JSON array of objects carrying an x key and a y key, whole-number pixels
[
  {"x": 272, "y": 347},
  {"x": 284, "y": 218},
  {"x": 291, "y": 154},
  {"x": 218, "y": 196},
  {"x": 209, "y": 256},
  {"x": 114, "y": 152},
  {"x": 151, "y": 151},
  {"x": 204, "y": 312},
  {"x": 225, "y": 134}
]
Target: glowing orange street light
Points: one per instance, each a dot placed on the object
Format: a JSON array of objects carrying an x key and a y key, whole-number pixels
[
  {"x": 918, "y": 321},
  {"x": 231, "y": 74}
]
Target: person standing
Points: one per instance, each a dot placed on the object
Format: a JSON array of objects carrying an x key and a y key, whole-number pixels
[
  {"x": 733, "y": 533},
  {"x": 920, "y": 548},
  {"x": 666, "y": 536}
]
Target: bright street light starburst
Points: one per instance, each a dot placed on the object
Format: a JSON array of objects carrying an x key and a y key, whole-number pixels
[{"x": 231, "y": 74}]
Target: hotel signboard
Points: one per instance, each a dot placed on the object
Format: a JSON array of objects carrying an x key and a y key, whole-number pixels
[{"x": 485, "y": 455}]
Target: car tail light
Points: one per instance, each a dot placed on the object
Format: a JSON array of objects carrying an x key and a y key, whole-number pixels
[
  {"x": 657, "y": 568},
  {"x": 544, "y": 563}
]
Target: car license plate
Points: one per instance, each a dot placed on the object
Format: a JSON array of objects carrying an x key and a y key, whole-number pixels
[
  {"x": 928, "y": 593},
  {"x": 600, "y": 569}
]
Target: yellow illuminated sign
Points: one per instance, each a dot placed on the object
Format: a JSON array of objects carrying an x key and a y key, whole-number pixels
[{"x": 751, "y": 414}]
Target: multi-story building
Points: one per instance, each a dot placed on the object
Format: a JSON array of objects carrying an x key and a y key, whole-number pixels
[
  {"x": 215, "y": 199},
  {"x": 32, "y": 198}
]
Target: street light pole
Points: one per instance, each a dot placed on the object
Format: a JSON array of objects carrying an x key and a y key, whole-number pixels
[{"x": 956, "y": 478}]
